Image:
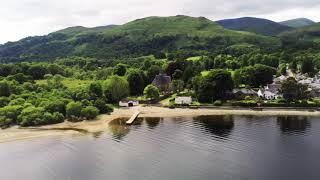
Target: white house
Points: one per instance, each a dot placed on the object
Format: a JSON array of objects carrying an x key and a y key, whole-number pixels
[
  {"x": 183, "y": 100},
  {"x": 128, "y": 103},
  {"x": 267, "y": 95}
]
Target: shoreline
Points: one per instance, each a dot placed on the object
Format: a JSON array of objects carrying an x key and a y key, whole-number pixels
[{"x": 101, "y": 123}]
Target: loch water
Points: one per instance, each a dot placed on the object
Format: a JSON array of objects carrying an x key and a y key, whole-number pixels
[{"x": 180, "y": 148}]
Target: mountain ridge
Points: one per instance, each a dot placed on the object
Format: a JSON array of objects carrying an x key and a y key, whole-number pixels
[
  {"x": 136, "y": 38},
  {"x": 256, "y": 25},
  {"x": 298, "y": 22}
]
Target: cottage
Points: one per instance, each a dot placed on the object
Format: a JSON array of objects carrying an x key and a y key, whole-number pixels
[
  {"x": 128, "y": 103},
  {"x": 274, "y": 88},
  {"x": 265, "y": 94},
  {"x": 162, "y": 81},
  {"x": 243, "y": 92},
  {"x": 280, "y": 79},
  {"x": 183, "y": 100}
]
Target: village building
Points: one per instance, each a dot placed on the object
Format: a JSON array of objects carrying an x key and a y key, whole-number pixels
[
  {"x": 128, "y": 103},
  {"x": 268, "y": 95},
  {"x": 280, "y": 79},
  {"x": 183, "y": 100},
  {"x": 162, "y": 81},
  {"x": 274, "y": 88},
  {"x": 241, "y": 93}
]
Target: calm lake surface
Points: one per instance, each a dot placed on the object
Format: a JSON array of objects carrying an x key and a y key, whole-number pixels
[{"x": 199, "y": 148}]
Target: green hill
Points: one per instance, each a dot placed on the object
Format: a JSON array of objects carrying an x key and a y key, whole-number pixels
[
  {"x": 137, "y": 38},
  {"x": 298, "y": 23},
  {"x": 303, "y": 38},
  {"x": 255, "y": 25}
]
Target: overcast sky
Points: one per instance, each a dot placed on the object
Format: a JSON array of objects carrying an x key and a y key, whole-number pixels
[{"x": 22, "y": 18}]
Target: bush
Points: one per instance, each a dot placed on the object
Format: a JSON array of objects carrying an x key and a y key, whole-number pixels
[
  {"x": 11, "y": 112},
  {"x": 55, "y": 106},
  {"x": 151, "y": 92},
  {"x": 32, "y": 116},
  {"x": 4, "y": 101},
  {"x": 5, "y": 122},
  {"x": 102, "y": 106},
  {"x": 90, "y": 112},
  {"x": 73, "y": 110},
  {"x": 58, "y": 117},
  {"x": 16, "y": 102}
]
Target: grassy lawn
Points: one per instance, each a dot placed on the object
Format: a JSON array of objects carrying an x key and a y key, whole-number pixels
[
  {"x": 166, "y": 102},
  {"x": 205, "y": 73},
  {"x": 70, "y": 83},
  {"x": 196, "y": 58}
]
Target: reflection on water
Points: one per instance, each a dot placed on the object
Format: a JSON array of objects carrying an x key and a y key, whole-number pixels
[
  {"x": 153, "y": 122},
  {"x": 119, "y": 129},
  {"x": 181, "y": 148},
  {"x": 218, "y": 125},
  {"x": 293, "y": 124}
]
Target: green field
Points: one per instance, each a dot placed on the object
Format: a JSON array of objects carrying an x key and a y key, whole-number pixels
[{"x": 70, "y": 83}]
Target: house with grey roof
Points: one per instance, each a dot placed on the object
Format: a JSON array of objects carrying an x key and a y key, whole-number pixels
[{"x": 162, "y": 81}]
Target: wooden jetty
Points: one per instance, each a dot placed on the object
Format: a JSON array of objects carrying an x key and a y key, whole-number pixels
[{"x": 133, "y": 118}]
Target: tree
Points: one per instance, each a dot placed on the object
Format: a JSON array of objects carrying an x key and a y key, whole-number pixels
[
  {"x": 188, "y": 74},
  {"x": 214, "y": 86},
  {"x": 174, "y": 65},
  {"x": 73, "y": 110},
  {"x": 32, "y": 116},
  {"x": 57, "y": 105},
  {"x": 4, "y": 101},
  {"x": 103, "y": 106},
  {"x": 263, "y": 74},
  {"x": 11, "y": 112},
  {"x": 5, "y": 89},
  {"x": 116, "y": 88},
  {"x": 236, "y": 77},
  {"x": 293, "y": 66},
  {"x": 151, "y": 92},
  {"x": 177, "y": 74},
  {"x": 282, "y": 69},
  {"x": 159, "y": 55},
  {"x": 37, "y": 71},
  {"x": 103, "y": 74},
  {"x": 293, "y": 91},
  {"x": 120, "y": 69},
  {"x": 55, "y": 69},
  {"x": 152, "y": 72},
  {"x": 307, "y": 66},
  {"x": 95, "y": 90},
  {"x": 136, "y": 82},
  {"x": 90, "y": 112},
  {"x": 177, "y": 86},
  {"x": 258, "y": 75}
]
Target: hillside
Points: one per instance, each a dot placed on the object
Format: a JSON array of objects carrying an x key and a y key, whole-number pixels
[
  {"x": 255, "y": 25},
  {"x": 303, "y": 38},
  {"x": 140, "y": 37},
  {"x": 297, "y": 23}
]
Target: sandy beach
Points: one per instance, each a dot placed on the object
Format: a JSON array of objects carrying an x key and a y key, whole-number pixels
[{"x": 101, "y": 124}]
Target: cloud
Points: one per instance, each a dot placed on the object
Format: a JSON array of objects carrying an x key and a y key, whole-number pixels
[{"x": 21, "y": 18}]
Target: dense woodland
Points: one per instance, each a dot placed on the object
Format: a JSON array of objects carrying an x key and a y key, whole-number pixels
[{"x": 79, "y": 73}]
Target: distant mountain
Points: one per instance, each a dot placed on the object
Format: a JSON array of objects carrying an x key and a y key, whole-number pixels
[
  {"x": 140, "y": 37},
  {"x": 297, "y": 23},
  {"x": 256, "y": 25}
]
